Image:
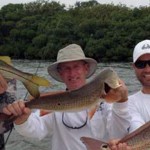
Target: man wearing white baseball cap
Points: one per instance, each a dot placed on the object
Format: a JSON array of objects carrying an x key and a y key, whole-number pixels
[
  {"x": 72, "y": 68},
  {"x": 139, "y": 103}
]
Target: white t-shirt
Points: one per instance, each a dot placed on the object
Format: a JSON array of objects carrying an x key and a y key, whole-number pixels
[
  {"x": 109, "y": 121},
  {"x": 139, "y": 106}
]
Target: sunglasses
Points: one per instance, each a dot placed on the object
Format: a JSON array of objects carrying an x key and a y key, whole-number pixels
[
  {"x": 74, "y": 127},
  {"x": 141, "y": 64}
]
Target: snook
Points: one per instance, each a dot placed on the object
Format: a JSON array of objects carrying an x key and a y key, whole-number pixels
[
  {"x": 79, "y": 99},
  {"x": 30, "y": 81},
  {"x": 138, "y": 140}
]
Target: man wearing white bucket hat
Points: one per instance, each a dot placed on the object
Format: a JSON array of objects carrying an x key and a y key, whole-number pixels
[
  {"x": 71, "y": 53},
  {"x": 72, "y": 68},
  {"x": 140, "y": 101}
]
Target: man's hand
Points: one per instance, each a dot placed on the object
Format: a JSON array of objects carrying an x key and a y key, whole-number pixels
[
  {"x": 3, "y": 84},
  {"x": 115, "y": 145},
  {"x": 18, "y": 110},
  {"x": 119, "y": 94}
]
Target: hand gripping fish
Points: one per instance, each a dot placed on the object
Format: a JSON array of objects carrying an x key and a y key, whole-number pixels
[
  {"x": 30, "y": 81},
  {"x": 79, "y": 99},
  {"x": 138, "y": 140}
]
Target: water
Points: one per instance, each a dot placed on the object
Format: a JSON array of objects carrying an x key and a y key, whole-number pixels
[{"x": 16, "y": 141}]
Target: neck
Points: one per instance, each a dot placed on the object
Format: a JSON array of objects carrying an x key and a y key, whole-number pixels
[{"x": 146, "y": 90}]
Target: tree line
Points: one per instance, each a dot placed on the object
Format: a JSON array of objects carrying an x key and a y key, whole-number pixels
[{"x": 37, "y": 30}]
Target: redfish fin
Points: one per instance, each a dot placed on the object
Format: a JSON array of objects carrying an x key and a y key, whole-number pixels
[
  {"x": 44, "y": 112},
  {"x": 33, "y": 89},
  {"x": 92, "y": 111},
  {"x": 94, "y": 144}
]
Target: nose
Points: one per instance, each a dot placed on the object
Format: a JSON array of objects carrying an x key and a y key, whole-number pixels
[
  {"x": 72, "y": 71},
  {"x": 147, "y": 68}
]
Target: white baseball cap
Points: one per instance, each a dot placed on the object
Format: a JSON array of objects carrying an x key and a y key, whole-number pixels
[{"x": 140, "y": 49}]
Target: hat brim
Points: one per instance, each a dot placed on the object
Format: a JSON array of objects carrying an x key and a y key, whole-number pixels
[{"x": 52, "y": 69}]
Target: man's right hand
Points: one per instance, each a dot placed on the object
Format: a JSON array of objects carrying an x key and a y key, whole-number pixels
[
  {"x": 3, "y": 84},
  {"x": 19, "y": 110},
  {"x": 115, "y": 145}
]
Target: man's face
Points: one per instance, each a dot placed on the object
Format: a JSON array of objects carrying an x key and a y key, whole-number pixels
[
  {"x": 142, "y": 70},
  {"x": 73, "y": 73}
]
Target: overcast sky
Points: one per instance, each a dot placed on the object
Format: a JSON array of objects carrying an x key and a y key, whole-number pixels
[{"x": 129, "y": 3}]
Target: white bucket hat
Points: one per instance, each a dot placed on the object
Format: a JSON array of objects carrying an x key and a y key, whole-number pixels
[
  {"x": 140, "y": 49},
  {"x": 72, "y": 52}
]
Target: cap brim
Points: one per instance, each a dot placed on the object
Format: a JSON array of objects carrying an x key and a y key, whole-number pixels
[{"x": 52, "y": 69}]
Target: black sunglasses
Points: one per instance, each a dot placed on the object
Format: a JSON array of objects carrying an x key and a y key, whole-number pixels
[{"x": 141, "y": 64}]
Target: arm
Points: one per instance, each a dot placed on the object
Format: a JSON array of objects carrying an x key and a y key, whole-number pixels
[
  {"x": 139, "y": 112},
  {"x": 29, "y": 124},
  {"x": 118, "y": 121},
  {"x": 36, "y": 127}
]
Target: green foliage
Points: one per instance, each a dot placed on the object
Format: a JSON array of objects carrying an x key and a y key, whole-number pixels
[
  {"x": 39, "y": 41},
  {"x": 37, "y": 30}
]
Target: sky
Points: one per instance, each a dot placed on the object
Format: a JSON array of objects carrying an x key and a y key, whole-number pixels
[{"x": 128, "y": 3}]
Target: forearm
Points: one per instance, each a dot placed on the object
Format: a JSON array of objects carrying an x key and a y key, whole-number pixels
[
  {"x": 34, "y": 127},
  {"x": 119, "y": 120}
]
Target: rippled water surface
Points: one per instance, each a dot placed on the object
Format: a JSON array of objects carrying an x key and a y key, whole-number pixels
[{"x": 17, "y": 142}]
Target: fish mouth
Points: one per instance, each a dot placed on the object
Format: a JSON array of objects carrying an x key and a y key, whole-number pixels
[
  {"x": 106, "y": 88},
  {"x": 104, "y": 146}
]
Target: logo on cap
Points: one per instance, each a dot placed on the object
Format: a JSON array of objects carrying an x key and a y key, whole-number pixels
[{"x": 146, "y": 46}]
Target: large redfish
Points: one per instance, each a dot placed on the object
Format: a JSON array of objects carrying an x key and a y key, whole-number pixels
[
  {"x": 138, "y": 140},
  {"x": 79, "y": 99}
]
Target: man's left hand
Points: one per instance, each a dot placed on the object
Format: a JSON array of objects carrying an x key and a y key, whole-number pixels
[{"x": 119, "y": 94}]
